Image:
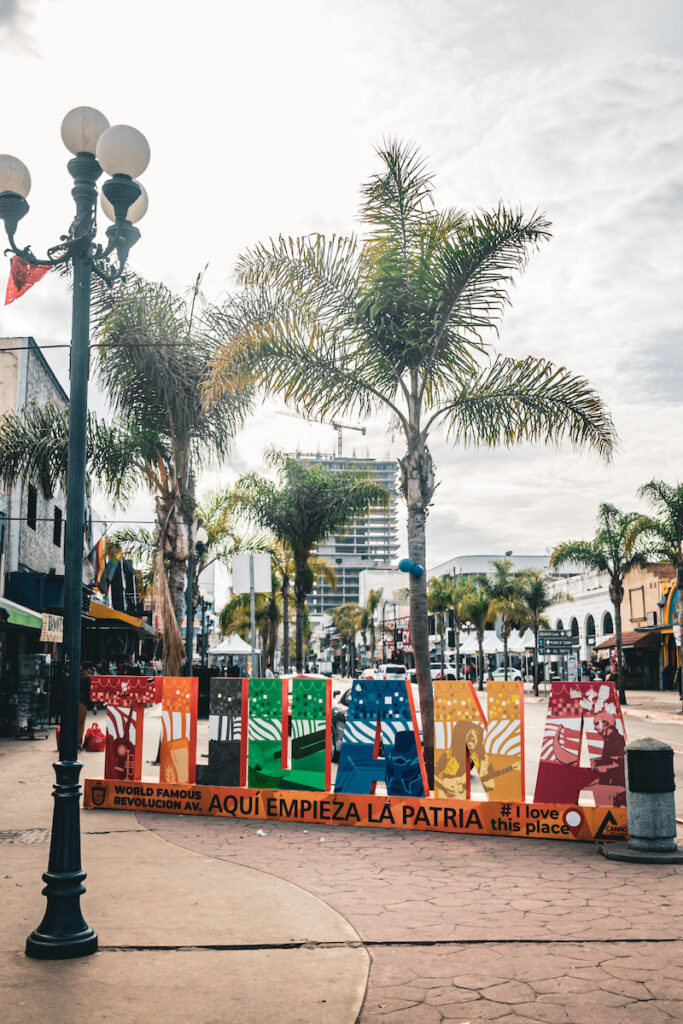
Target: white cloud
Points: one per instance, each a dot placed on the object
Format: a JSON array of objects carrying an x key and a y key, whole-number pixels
[{"x": 262, "y": 120}]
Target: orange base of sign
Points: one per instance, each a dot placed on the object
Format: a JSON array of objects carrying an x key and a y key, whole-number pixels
[{"x": 484, "y": 818}]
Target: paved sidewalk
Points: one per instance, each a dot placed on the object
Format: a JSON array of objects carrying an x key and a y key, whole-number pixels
[
  {"x": 207, "y": 920},
  {"x": 183, "y": 936},
  {"x": 468, "y": 929}
]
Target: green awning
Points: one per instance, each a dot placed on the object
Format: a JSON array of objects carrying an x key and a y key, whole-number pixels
[{"x": 20, "y": 616}]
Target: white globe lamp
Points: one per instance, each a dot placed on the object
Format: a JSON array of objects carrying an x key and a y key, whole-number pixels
[
  {"x": 14, "y": 176},
  {"x": 123, "y": 150},
  {"x": 81, "y": 129},
  {"x": 135, "y": 212}
]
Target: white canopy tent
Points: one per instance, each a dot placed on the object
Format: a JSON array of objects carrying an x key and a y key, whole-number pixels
[
  {"x": 232, "y": 645},
  {"x": 492, "y": 645},
  {"x": 519, "y": 644}
]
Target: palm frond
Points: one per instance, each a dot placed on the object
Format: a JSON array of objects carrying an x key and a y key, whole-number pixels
[{"x": 528, "y": 400}]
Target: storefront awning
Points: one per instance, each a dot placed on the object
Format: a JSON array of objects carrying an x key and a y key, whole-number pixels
[
  {"x": 17, "y": 615},
  {"x": 630, "y": 638},
  {"x": 105, "y": 615}
]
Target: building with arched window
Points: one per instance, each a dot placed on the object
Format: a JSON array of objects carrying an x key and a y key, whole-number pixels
[{"x": 587, "y": 611}]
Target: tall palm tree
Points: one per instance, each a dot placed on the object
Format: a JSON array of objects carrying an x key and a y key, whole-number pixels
[
  {"x": 309, "y": 505},
  {"x": 502, "y": 587},
  {"x": 537, "y": 598},
  {"x": 347, "y": 619},
  {"x": 367, "y": 619},
  {"x": 397, "y": 323},
  {"x": 439, "y": 592},
  {"x": 610, "y": 551},
  {"x": 475, "y": 608},
  {"x": 152, "y": 359},
  {"x": 458, "y": 588}
]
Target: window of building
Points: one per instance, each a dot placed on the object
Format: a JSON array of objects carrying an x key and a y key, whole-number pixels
[
  {"x": 637, "y": 602},
  {"x": 32, "y": 507},
  {"x": 57, "y": 528}
]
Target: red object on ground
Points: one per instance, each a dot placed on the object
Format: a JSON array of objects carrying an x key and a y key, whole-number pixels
[{"x": 94, "y": 738}]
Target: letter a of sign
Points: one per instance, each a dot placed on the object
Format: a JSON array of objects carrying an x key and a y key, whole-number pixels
[
  {"x": 381, "y": 708},
  {"x": 463, "y": 732},
  {"x": 571, "y": 708}
]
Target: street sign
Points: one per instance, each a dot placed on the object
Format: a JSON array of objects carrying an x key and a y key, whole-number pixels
[{"x": 556, "y": 641}]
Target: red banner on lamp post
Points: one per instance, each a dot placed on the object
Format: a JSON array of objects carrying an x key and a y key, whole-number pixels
[{"x": 22, "y": 276}]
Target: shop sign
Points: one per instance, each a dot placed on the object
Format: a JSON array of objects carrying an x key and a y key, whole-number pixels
[{"x": 52, "y": 629}]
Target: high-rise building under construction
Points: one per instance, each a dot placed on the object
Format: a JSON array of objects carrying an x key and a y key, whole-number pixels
[{"x": 370, "y": 539}]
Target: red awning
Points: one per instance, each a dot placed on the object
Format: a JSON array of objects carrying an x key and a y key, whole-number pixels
[{"x": 630, "y": 639}]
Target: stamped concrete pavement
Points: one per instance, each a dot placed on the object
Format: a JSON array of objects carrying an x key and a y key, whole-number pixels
[
  {"x": 467, "y": 929},
  {"x": 183, "y": 936}
]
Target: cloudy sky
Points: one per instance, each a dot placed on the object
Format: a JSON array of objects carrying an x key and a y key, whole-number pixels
[{"x": 262, "y": 119}]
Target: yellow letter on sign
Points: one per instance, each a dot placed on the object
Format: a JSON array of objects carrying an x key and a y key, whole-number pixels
[{"x": 494, "y": 741}]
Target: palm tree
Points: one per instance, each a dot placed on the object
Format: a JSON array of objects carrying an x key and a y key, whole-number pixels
[
  {"x": 502, "y": 587},
  {"x": 367, "y": 619},
  {"x": 152, "y": 358},
  {"x": 282, "y": 560},
  {"x": 475, "y": 608},
  {"x": 310, "y": 504},
  {"x": 610, "y": 551},
  {"x": 458, "y": 589},
  {"x": 397, "y": 323},
  {"x": 537, "y": 598},
  {"x": 347, "y": 619},
  {"x": 235, "y": 617},
  {"x": 438, "y": 603}
]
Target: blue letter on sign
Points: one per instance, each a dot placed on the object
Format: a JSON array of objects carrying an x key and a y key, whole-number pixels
[{"x": 381, "y": 709}]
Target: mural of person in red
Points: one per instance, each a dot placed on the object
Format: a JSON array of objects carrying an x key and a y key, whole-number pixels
[{"x": 610, "y": 764}]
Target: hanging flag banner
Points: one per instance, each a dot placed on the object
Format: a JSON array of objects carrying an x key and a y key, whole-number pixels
[{"x": 22, "y": 276}]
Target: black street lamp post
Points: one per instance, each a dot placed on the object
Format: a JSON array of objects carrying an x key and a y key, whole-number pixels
[
  {"x": 204, "y": 605},
  {"x": 122, "y": 152}
]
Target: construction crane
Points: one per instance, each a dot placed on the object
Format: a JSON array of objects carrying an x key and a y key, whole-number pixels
[{"x": 339, "y": 427}]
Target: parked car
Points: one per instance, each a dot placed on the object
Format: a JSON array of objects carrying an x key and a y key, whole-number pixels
[
  {"x": 435, "y": 669},
  {"x": 340, "y": 707},
  {"x": 388, "y": 671},
  {"x": 513, "y": 674}
]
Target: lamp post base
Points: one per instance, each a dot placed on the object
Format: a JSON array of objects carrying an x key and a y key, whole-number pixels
[
  {"x": 63, "y": 934},
  {"x": 61, "y": 947}
]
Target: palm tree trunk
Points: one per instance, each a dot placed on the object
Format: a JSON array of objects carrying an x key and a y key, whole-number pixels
[
  {"x": 480, "y": 638},
  {"x": 505, "y": 655},
  {"x": 620, "y": 667},
  {"x": 419, "y": 623},
  {"x": 535, "y": 661},
  {"x": 456, "y": 631},
  {"x": 285, "y": 625},
  {"x": 299, "y": 634},
  {"x": 677, "y": 649},
  {"x": 443, "y": 654},
  {"x": 300, "y": 595},
  {"x": 372, "y": 642}
]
